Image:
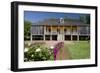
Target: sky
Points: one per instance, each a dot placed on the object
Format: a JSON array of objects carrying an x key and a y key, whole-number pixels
[{"x": 34, "y": 16}]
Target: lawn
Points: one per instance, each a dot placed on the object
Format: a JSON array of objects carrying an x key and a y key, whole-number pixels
[{"x": 79, "y": 49}]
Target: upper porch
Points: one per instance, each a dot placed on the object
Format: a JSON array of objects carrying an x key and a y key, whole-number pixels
[{"x": 54, "y": 30}]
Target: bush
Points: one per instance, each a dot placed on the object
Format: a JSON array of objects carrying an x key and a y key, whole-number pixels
[{"x": 37, "y": 52}]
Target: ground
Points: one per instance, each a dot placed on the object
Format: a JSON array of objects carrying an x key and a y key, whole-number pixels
[{"x": 71, "y": 49}]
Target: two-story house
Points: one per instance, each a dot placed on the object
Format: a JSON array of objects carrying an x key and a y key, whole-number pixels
[{"x": 60, "y": 30}]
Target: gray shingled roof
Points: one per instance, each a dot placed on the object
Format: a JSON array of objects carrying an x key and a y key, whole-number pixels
[{"x": 56, "y": 22}]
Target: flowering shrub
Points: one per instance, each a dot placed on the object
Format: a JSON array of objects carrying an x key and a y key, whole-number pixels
[
  {"x": 57, "y": 48},
  {"x": 37, "y": 52}
]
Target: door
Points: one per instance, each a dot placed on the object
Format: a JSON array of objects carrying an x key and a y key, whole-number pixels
[{"x": 60, "y": 37}]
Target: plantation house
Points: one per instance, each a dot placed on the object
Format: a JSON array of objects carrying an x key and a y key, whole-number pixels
[{"x": 60, "y": 30}]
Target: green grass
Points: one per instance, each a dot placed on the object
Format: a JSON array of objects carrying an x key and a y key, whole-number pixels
[{"x": 79, "y": 49}]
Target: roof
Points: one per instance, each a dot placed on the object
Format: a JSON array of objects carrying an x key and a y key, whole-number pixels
[{"x": 55, "y": 22}]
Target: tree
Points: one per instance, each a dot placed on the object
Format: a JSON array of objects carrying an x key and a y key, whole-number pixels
[
  {"x": 70, "y": 19},
  {"x": 85, "y": 19},
  {"x": 88, "y": 19},
  {"x": 81, "y": 19},
  {"x": 27, "y": 26}
]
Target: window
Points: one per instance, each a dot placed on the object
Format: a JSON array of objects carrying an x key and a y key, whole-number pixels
[
  {"x": 67, "y": 37},
  {"x": 49, "y": 30},
  {"x": 54, "y": 37},
  {"x": 65, "y": 30},
  {"x": 74, "y": 37},
  {"x": 47, "y": 37}
]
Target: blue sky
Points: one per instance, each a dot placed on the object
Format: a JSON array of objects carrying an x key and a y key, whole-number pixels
[{"x": 34, "y": 16}]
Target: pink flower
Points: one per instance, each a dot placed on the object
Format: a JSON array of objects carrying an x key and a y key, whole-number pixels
[{"x": 57, "y": 48}]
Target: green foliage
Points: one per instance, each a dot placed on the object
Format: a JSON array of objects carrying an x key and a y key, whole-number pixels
[
  {"x": 85, "y": 19},
  {"x": 38, "y": 52},
  {"x": 70, "y": 19},
  {"x": 27, "y": 26},
  {"x": 88, "y": 19}
]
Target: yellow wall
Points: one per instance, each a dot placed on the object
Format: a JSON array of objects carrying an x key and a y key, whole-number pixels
[
  {"x": 68, "y": 27},
  {"x": 54, "y": 28}
]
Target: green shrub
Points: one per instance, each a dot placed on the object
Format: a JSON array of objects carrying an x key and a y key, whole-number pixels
[{"x": 37, "y": 52}]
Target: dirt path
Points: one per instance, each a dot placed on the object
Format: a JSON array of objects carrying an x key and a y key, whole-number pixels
[{"x": 63, "y": 54}]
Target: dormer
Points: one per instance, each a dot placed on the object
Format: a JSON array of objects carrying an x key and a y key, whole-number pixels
[{"x": 61, "y": 20}]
